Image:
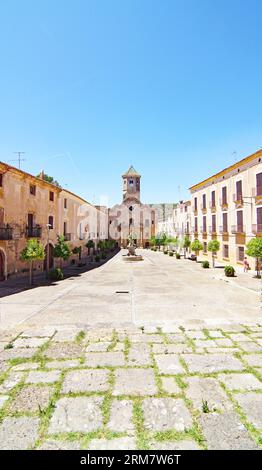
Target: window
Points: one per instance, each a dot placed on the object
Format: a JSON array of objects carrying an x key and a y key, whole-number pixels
[
  {"x": 224, "y": 195},
  {"x": 213, "y": 199},
  {"x": 131, "y": 183},
  {"x": 196, "y": 225},
  {"x": 259, "y": 184},
  {"x": 205, "y": 247},
  {"x": 187, "y": 227},
  {"x": 185, "y": 208},
  {"x": 225, "y": 251},
  {"x": 51, "y": 196},
  {"x": 65, "y": 203},
  {"x": 214, "y": 224},
  {"x": 240, "y": 253},
  {"x": 239, "y": 190},
  {"x": 1, "y": 180},
  {"x": 195, "y": 203},
  {"x": 240, "y": 227},
  {"x": 204, "y": 202},
  {"x": 51, "y": 221},
  {"x": 204, "y": 224},
  {"x": 65, "y": 228},
  {"x": 32, "y": 189},
  {"x": 225, "y": 225},
  {"x": 259, "y": 219}
]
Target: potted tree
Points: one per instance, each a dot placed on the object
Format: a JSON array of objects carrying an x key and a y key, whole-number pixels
[
  {"x": 33, "y": 251},
  {"x": 62, "y": 250},
  {"x": 196, "y": 247},
  {"x": 213, "y": 246},
  {"x": 254, "y": 249}
]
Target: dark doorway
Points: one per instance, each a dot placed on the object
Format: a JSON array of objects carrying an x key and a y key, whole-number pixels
[
  {"x": 51, "y": 257},
  {"x": 2, "y": 266}
]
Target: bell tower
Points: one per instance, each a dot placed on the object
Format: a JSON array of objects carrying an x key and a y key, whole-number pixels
[{"x": 131, "y": 185}]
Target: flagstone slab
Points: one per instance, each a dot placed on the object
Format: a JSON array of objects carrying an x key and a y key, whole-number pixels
[
  {"x": 170, "y": 386},
  {"x": 251, "y": 404},
  {"x": 139, "y": 355},
  {"x": 164, "y": 414},
  {"x": 119, "y": 443},
  {"x": 18, "y": 433},
  {"x": 225, "y": 432},
  {"x": 26, "y": 366},
  {"x": 3, "y": 399},
  {"x": 110, "y": 359},
  {"x": 98, "y": 347},
  {"x": 31, "y": 399},
  {"x": 130, "y": 381},
  {"x": 121, "y": 416},
  {"x": 29, "y": 342},
  {"x": 43, "y": 377},
  {"x": 85, "y": 380},
  {"x": 15, "y": 353},
  {"x": 79, "y": 414},
  {"x": 60, "y": 445},
  {"x": 11, "y": 381},
  {"x": 171, "y": 348},
  {"x": 64, "y": 351},
  {"x": 211, "y": 362},
  {"x": 249, "y": 346},
  {"x": 187, "y": 444},
  {"x": 254, "y": 360},
  {"x": 207, "y": 392},
  {"x": 241, "y": 381},
  {"x": 169, "y": 364},
  {"x": 70, "y": 363}
]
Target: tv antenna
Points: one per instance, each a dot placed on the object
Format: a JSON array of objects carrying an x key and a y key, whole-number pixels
[{"x": 19, "y": 159}]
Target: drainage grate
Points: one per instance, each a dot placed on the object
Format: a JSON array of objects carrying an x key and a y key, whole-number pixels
[{"x": 122, "y": 291}]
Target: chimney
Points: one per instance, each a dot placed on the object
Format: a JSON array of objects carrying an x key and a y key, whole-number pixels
[{"x": 42, "y": 175}]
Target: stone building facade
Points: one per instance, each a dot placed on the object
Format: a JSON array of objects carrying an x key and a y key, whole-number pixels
[
  {"x": 30, "y": 207},
  {"x": 228, "y": 207}
]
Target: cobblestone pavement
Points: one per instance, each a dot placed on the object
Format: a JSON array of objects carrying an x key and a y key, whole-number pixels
[{"x": 127, "y": 388}]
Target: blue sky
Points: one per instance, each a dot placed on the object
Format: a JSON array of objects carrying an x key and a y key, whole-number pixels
[{"x": 87, "y": 88}]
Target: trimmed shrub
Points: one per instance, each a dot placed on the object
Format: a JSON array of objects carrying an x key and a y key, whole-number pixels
[
  {"x": 97, "y": 258},
  {"x": 103, "y": 256},
  {"x": 165, "y": 252},
  {"x": 229, "y": 271},
  {"x": 171, "y": 253},
  {"x": 205, "y": 264},
  {"x": 56, "y": 274},
  {"x": 178, "y": 256}
]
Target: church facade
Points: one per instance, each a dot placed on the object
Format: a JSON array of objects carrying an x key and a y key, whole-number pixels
[{"x": 132, "y": 218}]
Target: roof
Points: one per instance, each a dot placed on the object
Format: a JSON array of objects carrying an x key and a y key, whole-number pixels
[
  {"x": 131, "y": 172},
  {"x": 228, "y": 169}
]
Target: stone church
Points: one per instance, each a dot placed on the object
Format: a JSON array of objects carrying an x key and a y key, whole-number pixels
[{"x": 132, "y": 218}]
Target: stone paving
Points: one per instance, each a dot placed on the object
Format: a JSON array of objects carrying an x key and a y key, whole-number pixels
[{"x": 169, "y": 388}]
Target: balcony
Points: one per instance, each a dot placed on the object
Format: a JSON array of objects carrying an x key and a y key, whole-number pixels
[
  {"x": 257, "y": 229},
  {"x": 238, "y": 199},
  {"x": 204, "y": 208},
  {"x": 223, "y": 229},
  {"x": 33, "y": 232},
  {"x": 6, "y": 233},
  {"x": 212, "y": 205},
  {"x": 257, "y": 193},
  {"x": 223, "y": 203},
  {"x": 236, "y": 229},
  {"x": 212, "y": 230},
  {"x": 67, "y": 237},
  {"x": 195, "y": 211}
]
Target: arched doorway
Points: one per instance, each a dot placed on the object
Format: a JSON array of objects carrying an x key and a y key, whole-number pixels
[
  {"x": 2, "y": 266},
  {"x": 51, "y": 257}
]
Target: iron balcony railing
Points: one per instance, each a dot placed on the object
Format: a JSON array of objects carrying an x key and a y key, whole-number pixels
[
  {"x": 256, "y": 228},
  {"x": 238, "y": 228},
  {"x": 238, "y": 198},
  {"x": 67, "y": 237},
  {"x": 6, "y": 233},
  {"x": 223, "y": 229},
  {"x": 212, "y": 230},
  {"x": 33, "y": 232},
  {"x": 223, "y": 202}
]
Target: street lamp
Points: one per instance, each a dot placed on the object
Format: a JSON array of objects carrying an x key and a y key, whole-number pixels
[{"x": 48, "y": 226}]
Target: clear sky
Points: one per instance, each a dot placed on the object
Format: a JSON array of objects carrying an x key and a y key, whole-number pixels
[{"x": 87, "y": 88}]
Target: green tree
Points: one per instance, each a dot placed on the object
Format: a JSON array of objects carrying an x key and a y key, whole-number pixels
[
  {"x": 49, "y": 179},
  {"x": 152, "y": 241},
  {"x": 77, "y": 251},
  {"x": 62, "y": 250},
  {"x": 33, "y": 251},
  {"x": 196, "y": 246},
  {"x": 254, "y": 249},
  {"x": 186, "y": 244},
  {"x": 213, "y": 246}
]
